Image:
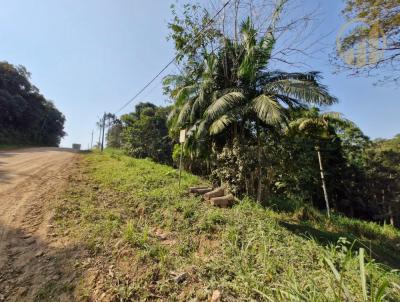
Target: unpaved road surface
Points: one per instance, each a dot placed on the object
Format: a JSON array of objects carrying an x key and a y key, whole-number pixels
[{"x": 30, "y": 179}]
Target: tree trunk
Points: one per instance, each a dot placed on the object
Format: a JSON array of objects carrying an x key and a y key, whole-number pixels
[
  {"x": 237, "y": 2},
  {"x": 321, "y": 169}
]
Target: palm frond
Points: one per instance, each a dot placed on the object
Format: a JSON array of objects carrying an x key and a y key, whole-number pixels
[
  {"x": 202, "y": 130},
  {"x": 182, "y": 94},
  {"x": 220, "y": 124},
  {"x": 307, "y": 91},
  {"x": 267, "y": 109},
  {"x": 171, "y": 115},
  {"x": 277, "y": 75},
  {"x": 225, "y": 103},
  {"x": 184, "y": 114},
  {"x": 337, "y": 119}
]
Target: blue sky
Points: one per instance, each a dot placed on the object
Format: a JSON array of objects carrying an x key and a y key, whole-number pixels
[{"x": 92, "y": 56}]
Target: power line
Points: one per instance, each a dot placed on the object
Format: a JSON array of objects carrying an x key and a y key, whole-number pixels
[{"x": 174, "y": 59}]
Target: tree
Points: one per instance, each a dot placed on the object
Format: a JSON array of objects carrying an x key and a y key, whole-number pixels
[
  {"x": 382, "y": 185},
  {"x": 235, "y": 91},
  {"x": 114, "y": 134},
  {"x": 26, "y": 116},
  {"x": 319, "y": 126},
  {"x": 377, "y": 34},
  {"x": 145, "y": 133}
]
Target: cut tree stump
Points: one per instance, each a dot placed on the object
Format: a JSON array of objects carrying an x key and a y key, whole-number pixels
[
  {"x": 218, "y": 192},
  {"x": 195, "y": 189},
  {"x": 223, "y": 201}
]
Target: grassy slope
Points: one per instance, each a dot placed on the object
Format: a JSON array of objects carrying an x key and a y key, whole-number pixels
[{"x": 142, "y": 231}]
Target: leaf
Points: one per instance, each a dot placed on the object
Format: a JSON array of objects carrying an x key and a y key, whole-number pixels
[
  {"x": 303, "y": 87},
  {"x": 338, "y": 278},
  {"x": 380, "y": 294},
  {"x": 220, "y": 124},
  {"x": 267, "y": 109},
  {"x": 171, "y": 115},
  {"x": 362, "y": 274},
  {"x": 184, "y": 114},
  {"x": 224, "y": 104},
  {"x": 182, "y": 94}
]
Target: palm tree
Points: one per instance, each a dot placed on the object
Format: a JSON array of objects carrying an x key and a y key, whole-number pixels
[
  {"x": 317, "y": 125},
  {"x": 262, "y": 96},
  {"x": 236, "y": 88}
]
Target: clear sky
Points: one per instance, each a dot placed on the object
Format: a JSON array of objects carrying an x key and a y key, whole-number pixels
[{"x": 92, "y": 56}]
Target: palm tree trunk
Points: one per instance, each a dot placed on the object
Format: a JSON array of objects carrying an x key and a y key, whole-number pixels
[{"x": 321, "y": 169}]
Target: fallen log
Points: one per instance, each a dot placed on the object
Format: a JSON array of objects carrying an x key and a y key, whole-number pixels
[
  {"x": 223, "y": 201},
  {"x": 203, "y": 191},
  {"x": 218, "y": 192},
  {"x": 194, "y": 189}
]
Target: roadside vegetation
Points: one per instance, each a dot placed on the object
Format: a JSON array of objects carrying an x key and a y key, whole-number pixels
[
  {"x": 150, "y": 240},
  {"x": 259, "y": 131},
  {"x": 27, "y": 118},
  {"x": 302, "y": 176}
]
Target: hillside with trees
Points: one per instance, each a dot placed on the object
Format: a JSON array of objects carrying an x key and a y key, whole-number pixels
[
  {"x": 26, "y": 116},
  {"x": 262, "y": 133}
]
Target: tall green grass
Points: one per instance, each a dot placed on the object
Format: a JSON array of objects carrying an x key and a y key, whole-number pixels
[{"x": 117, "y": 206}]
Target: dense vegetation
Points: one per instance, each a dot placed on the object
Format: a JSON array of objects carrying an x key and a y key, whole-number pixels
[
  {"x": 145, "y": 133},
  {"x": 149, "y": 240},
  {"x": 263, "y": 133},
  {"x": 26, "y": 117}
]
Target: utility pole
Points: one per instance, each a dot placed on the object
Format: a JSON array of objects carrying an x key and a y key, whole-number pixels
[
  {"x": 103, "y": 128},
  {"x": 91, "y": 142},
  {"x": 99, "y": 124}
]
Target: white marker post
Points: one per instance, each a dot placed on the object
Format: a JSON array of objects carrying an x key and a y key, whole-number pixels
[{"x": 182, "y": 138}]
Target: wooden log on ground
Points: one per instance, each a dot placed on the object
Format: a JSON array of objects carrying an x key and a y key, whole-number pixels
[
  {"x": 223, "y": 201},
  {"x": 203, "y": 191},
  {"x": 194, "y": 189},
  {"x": 218, "y": 192}
]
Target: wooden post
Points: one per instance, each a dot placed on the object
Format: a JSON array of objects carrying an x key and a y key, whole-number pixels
[
  {"x": 91, "y": 142},
  {"x": 180, "y": 166},
  {"x": 103, "y": 128},
  {"x": 321, "y": 169},
  {"x": 182, "y": 137}
]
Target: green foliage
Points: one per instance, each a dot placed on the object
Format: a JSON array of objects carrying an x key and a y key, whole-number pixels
[
  {"x": 114, "y": 134},
  {"x": 145, "y": 134},
  {"x": 26, "y": 117},
  {"x": 236, "y": 112},
  {"x": 228, "y": 93},
  {"x": 247, "y": 252},
  {"x": 236, "y": 168},
  {"x": 134, "y": 236}
]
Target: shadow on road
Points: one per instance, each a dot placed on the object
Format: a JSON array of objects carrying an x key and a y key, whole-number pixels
[{"x": 34, "y": 268}]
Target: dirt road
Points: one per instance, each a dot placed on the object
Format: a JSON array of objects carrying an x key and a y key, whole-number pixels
[{"x": 30, "y": 179}]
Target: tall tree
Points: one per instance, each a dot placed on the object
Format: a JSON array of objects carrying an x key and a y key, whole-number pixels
[
  {"x": 145, "y": 133},
  {"x": 26, "y": 116},
  {"x": 375, "y": 29},
  {"x": 318, "y": 126},
  {"x": 236, "y": 91}
]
